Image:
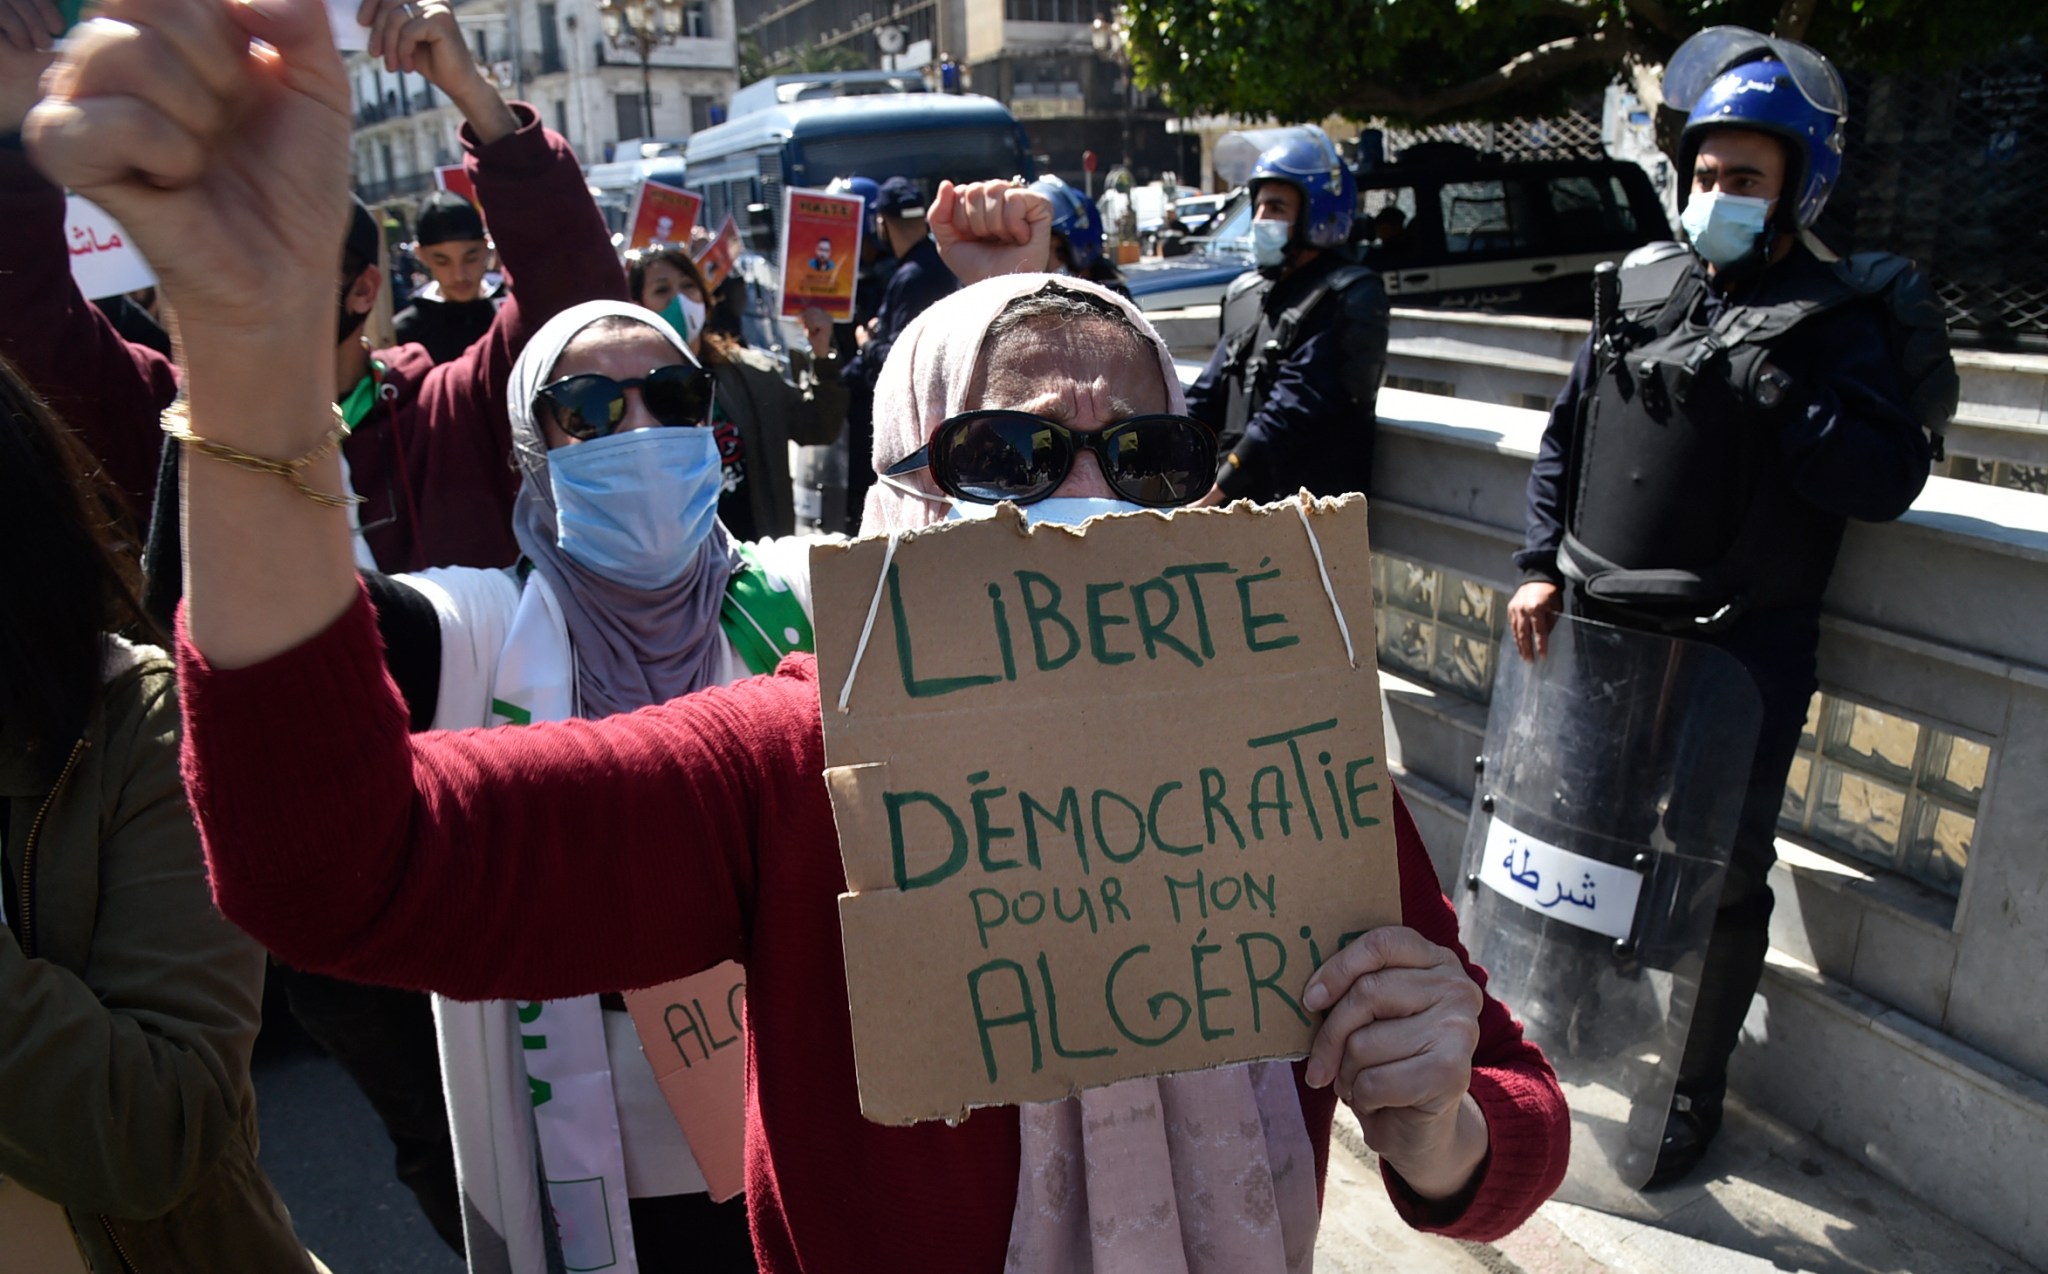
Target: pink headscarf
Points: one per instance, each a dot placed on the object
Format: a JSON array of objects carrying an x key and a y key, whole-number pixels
[
  {"x": 928, "y": 373},
  {"x": 1205, "y": 1173}
]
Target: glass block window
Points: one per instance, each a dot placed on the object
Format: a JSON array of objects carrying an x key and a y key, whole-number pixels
[
  {"x": 1887, "y": 789},
  {"x": 1422, "y": 385},
  {"x": 1437, "y": 626},
  {"x": 1999, "y": 473}
]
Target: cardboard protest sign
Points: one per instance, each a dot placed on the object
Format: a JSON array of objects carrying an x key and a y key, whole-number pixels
[
  {"x": 1106, "y": 797},
  {"x": 455, "y": 179},
  {"x": 820, "y": 252},
  {"x": 661, "y": 214},
  {"x": 102, "y": 262},
  {"x": 693, "y": 1033},
  {"x": 721, "y": 254}
]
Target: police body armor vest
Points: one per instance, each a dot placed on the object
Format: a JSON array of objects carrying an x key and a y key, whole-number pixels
[
  {"x": 1678, "y": 507},
  {"x": 1258, "y": 342}
]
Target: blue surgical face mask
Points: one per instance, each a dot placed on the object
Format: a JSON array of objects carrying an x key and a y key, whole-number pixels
[
  {"x": 1269, "y": 241},
  {"x": 684, "y": 315},
  {"x": 1724, "y": 228},
  {"x": 635, "y": 507},
  {"x": 1054, "y": 510}
]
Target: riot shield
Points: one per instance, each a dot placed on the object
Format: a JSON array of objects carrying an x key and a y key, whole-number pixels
[{"x": 1602, "y": 819}]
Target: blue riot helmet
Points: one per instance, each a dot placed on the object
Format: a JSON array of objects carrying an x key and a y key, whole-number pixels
[
  {"x": 1329, "y": 193},
  {"x": 1075, "y": 219},
  {"x": 1731, "y": 77},
  {"x": 865, "y": 187}
]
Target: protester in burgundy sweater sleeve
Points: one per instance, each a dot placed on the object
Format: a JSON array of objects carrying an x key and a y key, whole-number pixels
[
  {"x": 106, "y": 389},
  {"x": 449, "y": 422}
]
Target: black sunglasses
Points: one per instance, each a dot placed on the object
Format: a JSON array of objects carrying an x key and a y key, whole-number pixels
[
  {"x": 987, "y": 456},
  {"x": 591, "y": 406}
]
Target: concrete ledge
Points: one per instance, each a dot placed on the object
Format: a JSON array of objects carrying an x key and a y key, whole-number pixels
[{"x": 1961, "y": 1131}]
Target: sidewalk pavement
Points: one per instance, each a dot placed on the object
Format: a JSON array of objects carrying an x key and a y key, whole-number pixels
[{"x": 1766, "y": 1199}]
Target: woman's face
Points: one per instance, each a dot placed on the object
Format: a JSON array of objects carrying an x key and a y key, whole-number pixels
[
  {"x": 1087, "y": 375},
  {"x": 619, "y": 354},
  {"x": 662, "y": 281}
]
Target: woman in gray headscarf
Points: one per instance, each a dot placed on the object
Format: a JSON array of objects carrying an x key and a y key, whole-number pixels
[{"x": 631, "y": 592}]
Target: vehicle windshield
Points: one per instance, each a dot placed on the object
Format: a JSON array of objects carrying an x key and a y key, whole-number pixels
[
  {"x": 1234, "y": 237},
  {"x": 962, "y": 154}
]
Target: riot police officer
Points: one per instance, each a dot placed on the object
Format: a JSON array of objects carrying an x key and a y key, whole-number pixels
[
  {"x": 1077, "y": 238},
  {"x": 1293, "y": 386},
  {"x": 1740, "y": 398}
]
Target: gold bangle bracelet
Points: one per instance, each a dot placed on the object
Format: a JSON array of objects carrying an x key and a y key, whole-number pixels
[{"x": 177, "y": 422}]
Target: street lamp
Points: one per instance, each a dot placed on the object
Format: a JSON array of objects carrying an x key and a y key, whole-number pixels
[
  {"x": 1108, "y": 38},
  {"x": 642, "y": 25}
]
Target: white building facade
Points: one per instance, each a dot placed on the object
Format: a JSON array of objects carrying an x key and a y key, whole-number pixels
[{"x": 555, "y": 56}]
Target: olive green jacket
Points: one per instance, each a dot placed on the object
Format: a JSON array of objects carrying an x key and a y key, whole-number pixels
[{"x": 128, "y": 1005}]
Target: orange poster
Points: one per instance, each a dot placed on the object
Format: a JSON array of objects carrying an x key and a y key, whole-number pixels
[
  {"x": 721, "y": 254},
  {"x": 820, "y": 252},
  {"x": 662, "y": 214},
  {"x": 693, "y": 1032}
]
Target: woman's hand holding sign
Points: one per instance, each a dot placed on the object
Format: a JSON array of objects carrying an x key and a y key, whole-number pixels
[
  {"x": 987, "y": 228},
  {"x": 1398, "y": 1041}
]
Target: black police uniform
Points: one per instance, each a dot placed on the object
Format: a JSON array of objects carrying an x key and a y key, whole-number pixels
[
  {"x": 1297, "y": 409},
  {"x": 1703, "y": 491}
]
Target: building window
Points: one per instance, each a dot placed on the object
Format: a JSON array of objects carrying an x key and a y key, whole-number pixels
[
  {"x": 697, "y": 20},
  {"x": 1068, "y": 11},
  {"x": 550, "y": 40},
  {"x": 700, "y": 113},
  {"x": 562, "y": 116},
  {"x": 632, "y": 117}
]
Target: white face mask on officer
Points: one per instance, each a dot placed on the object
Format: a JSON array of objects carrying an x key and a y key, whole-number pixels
[
  {"x": 1269, "y": 241},
  {"x": 1725, "y": 228}
]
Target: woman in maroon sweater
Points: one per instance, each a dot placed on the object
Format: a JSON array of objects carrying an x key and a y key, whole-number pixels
[{"x": 437, "y": 861}]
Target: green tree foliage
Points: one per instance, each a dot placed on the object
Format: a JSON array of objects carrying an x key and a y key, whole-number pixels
[{"x": 1418, "y": 61}]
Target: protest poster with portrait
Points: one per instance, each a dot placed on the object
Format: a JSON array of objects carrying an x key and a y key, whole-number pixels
[
  {"x": 721, "y": 254},
  {"x": 1106, "y": 796},
  {"x": 661, "y": 214},
  {"x": 820, "y": 252}
]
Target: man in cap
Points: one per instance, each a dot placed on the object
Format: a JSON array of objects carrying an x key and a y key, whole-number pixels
[
  {"x": 455, "y": 309},
  {"x": 921, "y": 278}
]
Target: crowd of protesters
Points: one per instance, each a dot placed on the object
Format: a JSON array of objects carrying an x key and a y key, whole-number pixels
[{"x": 563, "y": 501}]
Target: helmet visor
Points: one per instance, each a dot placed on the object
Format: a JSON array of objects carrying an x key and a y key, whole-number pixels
[{"x": 1713, "y": 52}]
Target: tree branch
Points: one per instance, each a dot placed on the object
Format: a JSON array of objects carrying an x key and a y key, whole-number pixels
[
  {"x": 1792, "y": 20},
  {"x": 1524, "y": 71},
  {"x": 1659, "y": 17}
]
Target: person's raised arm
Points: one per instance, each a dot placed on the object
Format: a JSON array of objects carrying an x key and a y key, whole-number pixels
[
  {"x": 986, "y": 228},
  {"x": 226, "y": 160},
  {"x": 422, "y": 36}
]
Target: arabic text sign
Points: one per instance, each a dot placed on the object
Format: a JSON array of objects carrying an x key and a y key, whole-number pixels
[
  {"x": 693, "y": 1032},
  {"x": 102, "y": 262},
  {"x": 1105, "y": 800},
  {"x": 662, "y": 214},
  {"x": 1580, "y": 891},
  {"x": 820, "y": 252},
  {"x": 721, "y": 254}
]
